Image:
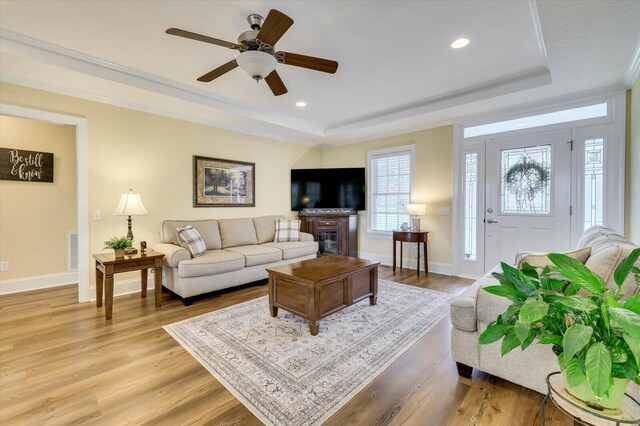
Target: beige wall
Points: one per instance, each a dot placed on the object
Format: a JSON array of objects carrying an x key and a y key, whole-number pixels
[
  {"x": 153, "y": 155},
  {"x": 433, "y": 186},
  {"x": 633, "y": 164},
  {"x": 36, "y": 216}
]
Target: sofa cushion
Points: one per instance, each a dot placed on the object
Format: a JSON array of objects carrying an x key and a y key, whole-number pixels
[
  {"x": 293, "y": 249},
  {"x": 287, "y": 230},
  {"x": 208, "y": 229},
  {"x": 540, "y": 260},
  {"x": 210, "y": 263},
  {"x": 266, "y": 227},
  {"x": 191, "y": 240},
  {"x": 463, "y": 309},
  {"x": 257, "y": 255},
  {"x": 237, "y": 232}
]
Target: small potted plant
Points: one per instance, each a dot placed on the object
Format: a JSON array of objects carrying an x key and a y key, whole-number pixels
[
  {"x": 119, "y": 245},
  {"x": 594, "y": 332}
]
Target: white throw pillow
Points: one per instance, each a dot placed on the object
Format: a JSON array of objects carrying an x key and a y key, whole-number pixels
[
  {"x": 191, "y": 239},
  {"x": 287, "y": 230}
]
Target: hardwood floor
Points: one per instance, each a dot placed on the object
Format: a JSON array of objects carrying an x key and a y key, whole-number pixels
[{"x": 62, "y": 363}]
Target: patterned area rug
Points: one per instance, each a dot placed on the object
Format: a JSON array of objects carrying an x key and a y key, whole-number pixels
[{"x": 284, "y": 375}]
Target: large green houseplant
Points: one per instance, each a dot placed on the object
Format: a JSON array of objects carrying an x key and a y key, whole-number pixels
[{"x": 594, "y": 332}]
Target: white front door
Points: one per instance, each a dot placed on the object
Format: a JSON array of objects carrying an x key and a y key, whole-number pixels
[{"x": 528, "y": 195}]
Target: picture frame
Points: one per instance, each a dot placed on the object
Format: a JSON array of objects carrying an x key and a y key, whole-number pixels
[{"x": 223, "y": 183}]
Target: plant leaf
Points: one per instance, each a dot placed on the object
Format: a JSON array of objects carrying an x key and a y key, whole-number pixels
[
  {"x": 522, "y": 331},
  {"x": 528, "y": 340},
  {"x": 612, "y": 301},
  {"x": 509, "y": 343},
  {"x": 513, "y": 309},
  {"x": 500, "y": 290},
  {"x": 503, "y": 280},
  {"x": 576, "y": 338},
  {"x": 585, "y": 278},
  {"x": 561, "y": 362},
  {"x": 575, "y": 375},
  {"x": 632, "y": 304},
  {"x": 627, "y": 320},
  {"x": 634, "y": 345},
  {"x": 532, "y": 311},
  {"x": 625, "y": 266},
  {"x": 579, "y": 303},
  {"x": 493, "y": 333},
  {"x": 551, "y": 339},
  {"x": 563, "y": 261},
  {"x": 598, "y": 368}
]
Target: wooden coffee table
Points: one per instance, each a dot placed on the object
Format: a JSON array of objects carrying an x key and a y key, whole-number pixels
[{"x": 316, "y": 288}]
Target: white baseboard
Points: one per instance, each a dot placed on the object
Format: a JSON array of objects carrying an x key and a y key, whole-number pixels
[
  {"x": 37, "y": 282},
  {"x": 437, "y": 267},
  {"x": 19, "y": 285}
]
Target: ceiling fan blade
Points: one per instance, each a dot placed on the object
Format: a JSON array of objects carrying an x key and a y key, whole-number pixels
[
  {"x": 212, "y": 75},
  {"x": 274, "y": 27},
  {"x": 199, "y": 37},
  {"x": 275, "y": 83},
  {"x": 310, "y": 62}
]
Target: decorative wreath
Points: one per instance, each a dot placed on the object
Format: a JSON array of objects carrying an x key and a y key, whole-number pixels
[{"x": 530, "y": 171}]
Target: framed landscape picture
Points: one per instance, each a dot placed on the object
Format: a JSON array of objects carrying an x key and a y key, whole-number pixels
[{"x": 223, "y": 183}]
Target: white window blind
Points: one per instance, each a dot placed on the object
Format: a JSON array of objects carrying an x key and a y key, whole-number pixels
[{"x": 391, "y": 179}]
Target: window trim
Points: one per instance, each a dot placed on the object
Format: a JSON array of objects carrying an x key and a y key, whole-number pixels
[{"x": 412, "y": 177}]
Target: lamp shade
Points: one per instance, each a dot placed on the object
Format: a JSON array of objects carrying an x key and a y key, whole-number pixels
[
  {"x": 130, "y": 205},
  {"x": 256, "y": 63},
  {"x": 416, "y": 209}
]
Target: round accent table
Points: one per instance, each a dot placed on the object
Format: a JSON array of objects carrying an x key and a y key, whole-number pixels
[
  {"x": 411, "y": 237},
  {"x": 630, "y": 408}
]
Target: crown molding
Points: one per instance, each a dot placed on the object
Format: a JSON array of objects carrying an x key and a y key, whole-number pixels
[
  {"x": 634, "y": 68},
  {"x": 533, "y": 7},
  {"x": 516, "y": 82},
  {"x": 49, "y": 53}
]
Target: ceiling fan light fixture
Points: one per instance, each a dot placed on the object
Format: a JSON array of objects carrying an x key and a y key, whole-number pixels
[{"x": 256, "y": 63}]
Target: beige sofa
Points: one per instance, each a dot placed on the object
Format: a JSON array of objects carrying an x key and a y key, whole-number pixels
[
  {"x": 238, "y": 252},
  {"x": 473, "y": 310}
]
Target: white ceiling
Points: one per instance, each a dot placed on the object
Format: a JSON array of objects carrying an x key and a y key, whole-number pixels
[{"x": 397, "y": 71}]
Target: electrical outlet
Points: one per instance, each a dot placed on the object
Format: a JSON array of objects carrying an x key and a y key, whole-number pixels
[
  {"x": 4, "y": 266},
  {"x": 96, "y": 215}
]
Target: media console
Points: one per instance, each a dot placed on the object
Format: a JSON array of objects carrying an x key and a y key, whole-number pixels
[{"x": 335, "y": 232}]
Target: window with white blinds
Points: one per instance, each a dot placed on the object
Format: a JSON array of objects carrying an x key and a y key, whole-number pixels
[{"x": 390, "y": 182}]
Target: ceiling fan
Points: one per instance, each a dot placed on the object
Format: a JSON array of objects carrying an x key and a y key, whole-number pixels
[{"x": 258, "y": 56}]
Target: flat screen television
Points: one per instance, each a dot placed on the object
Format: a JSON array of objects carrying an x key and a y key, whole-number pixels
[{"x": 327, "y": 188}]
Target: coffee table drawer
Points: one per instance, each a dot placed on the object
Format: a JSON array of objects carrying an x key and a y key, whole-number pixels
[
  {"x": 333, "y": 296},
  {"x": 362, "y": 284},
  {"x": 291, "y": 296}
]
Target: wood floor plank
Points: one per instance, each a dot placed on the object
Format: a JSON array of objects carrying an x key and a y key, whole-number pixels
[{"x": 61, "y": 362}]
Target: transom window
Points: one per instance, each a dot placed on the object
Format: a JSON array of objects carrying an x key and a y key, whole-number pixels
[{"x": 390, "y": 182}]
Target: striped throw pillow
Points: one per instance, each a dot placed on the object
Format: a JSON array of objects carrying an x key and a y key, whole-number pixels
[
  {"x": 287, "y": 230},
  {"x": 190, "y": 239}
]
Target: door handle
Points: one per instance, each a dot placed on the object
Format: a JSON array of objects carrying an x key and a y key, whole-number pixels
[{"x": 491, "y": 221}]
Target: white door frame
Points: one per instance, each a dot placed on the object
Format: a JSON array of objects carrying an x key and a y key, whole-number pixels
[
  {"x": 614, "y": 167},
  {"x": 82, "y": 182}
]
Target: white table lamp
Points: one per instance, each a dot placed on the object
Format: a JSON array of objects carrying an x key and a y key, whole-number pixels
[
  {"x": 415, "y": 210},
  {"x": 130, "y": 205}
]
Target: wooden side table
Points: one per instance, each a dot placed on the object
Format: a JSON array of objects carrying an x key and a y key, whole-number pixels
[
  {"x": 411, "y": 237},
  {"x": 107, "y": 265}
]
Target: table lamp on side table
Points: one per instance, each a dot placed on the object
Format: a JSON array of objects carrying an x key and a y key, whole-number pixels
[
  {"x": 415, "y": 210},
  {"x": 130, "y": 205}
]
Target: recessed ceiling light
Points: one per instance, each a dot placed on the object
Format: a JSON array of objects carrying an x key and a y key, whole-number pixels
[
  {"x": 461, "y": 42},
  {"x": 301, "y": 104}
]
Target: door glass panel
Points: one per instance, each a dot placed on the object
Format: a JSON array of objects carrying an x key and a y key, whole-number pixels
[
  {"x": 470, "y": 204},
  {"x": 593, "y": 181},
  {"x": 525, "y": 180}
]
